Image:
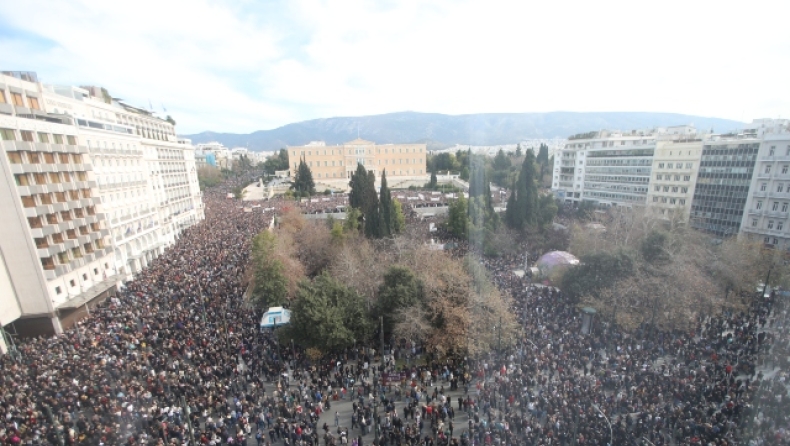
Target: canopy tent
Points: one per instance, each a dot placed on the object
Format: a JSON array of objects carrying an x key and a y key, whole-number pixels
[{"x": 275, "y": 316}]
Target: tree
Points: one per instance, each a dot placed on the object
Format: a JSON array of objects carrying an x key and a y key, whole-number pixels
[
  {"x": 400, "y": 289},
  {"x": 362, "y": 193},
  {"x": 501, "y": 162},
  {"x": 519, "y": 153},
  {"x": 328, "y": 316},
  {"x": 652, "y": 247},
  {"x": 548, "y": 210},
  {"x": 208, "y": 176},
  {"x": 353, "y": 220},
  {"x": 170, "y": 120},
  {"x": 386, "y": 208},
  {"x": 399, "y": 220},
  {"x": 276, "y": 162},
  {"x": 458, "y": 219},
  {"x": 596, "y": 272},
  {"x": 239, "y": 192},
  {"x": 303, "y": 181},
  {"x": 269, "y": 285},
  {"x": 434, "y": 181},
  {"x": 525, "y": 210}
]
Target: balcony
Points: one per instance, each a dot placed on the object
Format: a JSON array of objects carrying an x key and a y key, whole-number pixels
[
  {"x": 764, "y": 176},
  {"x": 760, "y": 194},
  {"x": 776, "y": 214}
]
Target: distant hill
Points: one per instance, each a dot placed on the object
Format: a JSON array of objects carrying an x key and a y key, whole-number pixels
[{"x": 438, "y": 130}]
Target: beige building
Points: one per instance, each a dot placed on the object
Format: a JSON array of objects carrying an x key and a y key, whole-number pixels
[
  {"x": 340, "y": 161},
  {"x": 676, "y": 161}
]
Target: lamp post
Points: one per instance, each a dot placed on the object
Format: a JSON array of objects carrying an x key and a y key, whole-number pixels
[{"x": 611, "y": 438}]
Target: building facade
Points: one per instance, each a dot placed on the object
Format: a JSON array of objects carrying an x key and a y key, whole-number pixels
[
  {"x": 606, "y": 168},
  {"x": 340, "y": 161},
  {"x": 55, "y": 246},
  {"x": 95, "y": 188},
  {"x": 725, "y": 176},
  {"x": 768, "y": 203},
  {"x": 674, "y": 173}
]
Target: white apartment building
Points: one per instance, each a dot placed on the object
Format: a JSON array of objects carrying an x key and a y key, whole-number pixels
[
  {"x": 674, "y": 171},
  {"x": 55, "y": 249},
  {"x": 607, "y": 168},
  {"x": 768, "y": 204},
  {"x": 145, "y": 174}
]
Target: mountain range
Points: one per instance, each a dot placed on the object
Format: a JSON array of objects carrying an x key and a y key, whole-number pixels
[{"x": 440, "y": 131}]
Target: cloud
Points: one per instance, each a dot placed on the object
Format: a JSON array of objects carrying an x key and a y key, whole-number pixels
[{"x": 246, "y": 65}]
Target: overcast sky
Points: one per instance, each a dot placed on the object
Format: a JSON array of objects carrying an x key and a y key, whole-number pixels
[{"x": 245, "y": 65}]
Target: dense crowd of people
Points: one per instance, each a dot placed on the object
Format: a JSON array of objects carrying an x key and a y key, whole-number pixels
[{"x": 176, "y": 357}]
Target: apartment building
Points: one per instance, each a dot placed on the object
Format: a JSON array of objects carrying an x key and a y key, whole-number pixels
[
  {"x": 55, "y": 246},
  {"x": 674, "y": 171},
  {"x": 146, "y": 176},
  {"x": 340, "y": 162},
  {"x": 607, "y": 168},
  {"x": 767, "y": 207}
]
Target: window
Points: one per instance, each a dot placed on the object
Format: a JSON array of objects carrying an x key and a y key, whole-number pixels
[
  {"x": 658, "y": 177},
  {"x": 666, "y": 188},
  {"x": 27, "y": 136},
  {"x": 7, "y": 135},
  {"x": 772, "y": 151},
  {"x": 71, "y": 140},
  {"x": 84, "y": 277},
  {"x": 2, "y": 97},
  {"x": 33, "y": 103},
  {"x": 677, "y": 177},
  {"x": 660, "y": 165},
  {"x": 780, "y": 225},
  {"x": 685, "y": 190},
  {"x": 675, "y": 189},
  {"x": 754, "y": 222},
  {"x": 768, "y": 169},
  {"x": 58, "y": 290},
  {"x": 43, "y": 137},
  {"x": 689, "y": 165},
  {"x": 780, "y": 188},
  {"x": 682, "y": 201},
  {"x": 775, "y": 207},
  {"x": 763, "y": 187},
  {"x": 784, "y": 168},
  {"x": 58, "y": 138},
  {"x": 767, "y": 240},
  {"x": 759, "y": 205},
  {"x": 655, "y": 199},
  {"x": 770, "y": 224},
  {"x": 784, "y": 207},
  {"x": 17, "y": 99},
  {"x": 776, "y": 241},
  {"x": 72, "y": 283},
  {"x": 658, "y": 188}
]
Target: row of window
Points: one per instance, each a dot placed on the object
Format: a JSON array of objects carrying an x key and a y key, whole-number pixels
[
  {"x": 28, "y": 179},
  {"x": 772, "y": 151},
  {"x": 668, "y": 177},
  {"x": 64, "y": 257},
  {"x": 611, "y": 196},
  {"x": 675, "y": 165},
  {"x": 340, "y": 175},
  {"x": 775, "y": 206},
  {"x": 30, "y": 201},
  {"x": 620, "y": 162},
  {"x": 670, "y": 200},
  {"x": 358, "y": 151},
  {"x": 25, "y": 157},
  {"x": 779, "y": 187},
  {"x": 770, "y": 224},
  {"x": 30, "y": 136},
  {"x": 674, "y": 189},
  {"x": 19, "y": 100}
]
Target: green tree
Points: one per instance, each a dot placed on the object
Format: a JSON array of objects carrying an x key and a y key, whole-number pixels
[
  {"x": 548, "y": 210},
  {"x": 501, "y": 162},
  {"x": 363, "y": 190},
  {"x": 353, "y": 220},
  {"x": 458, "y": 218},
  {"x": 276, "y": 162},
  {"x": 652, "y": 247},
  {"x": 526, "y": 210},
  {"x": 328, "y": 316},
  {"x": 399, "y": 221},
  {"x": 518, "y": 151},
  {"x": 303, "y": 182},
  {"x": 386, "y": 209},
  {"x": 269, "y": 285},
  {"x": 400, "y": 289},
  {"x": 373, "y": 222},
  {"x": 239, "y": 192},
  {"x": 434, "y": 181},
  {"x": 595, "y": 272}
]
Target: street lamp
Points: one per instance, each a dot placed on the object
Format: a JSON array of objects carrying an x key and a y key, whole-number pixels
[{"x": 611, "y": 438}]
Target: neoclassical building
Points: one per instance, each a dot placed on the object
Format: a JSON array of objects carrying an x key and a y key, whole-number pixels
[{"x": 340, "y": 161}]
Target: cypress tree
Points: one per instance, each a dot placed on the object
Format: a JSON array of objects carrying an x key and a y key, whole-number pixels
[{"x": 386, "y": 208}]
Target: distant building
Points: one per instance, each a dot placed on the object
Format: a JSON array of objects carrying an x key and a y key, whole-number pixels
[
  {"x": 340, "y": 161},
  {"x": 767, "y": 207}
]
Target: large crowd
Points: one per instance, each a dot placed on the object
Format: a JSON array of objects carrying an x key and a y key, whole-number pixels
[{"x": 177, "y": 357}]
